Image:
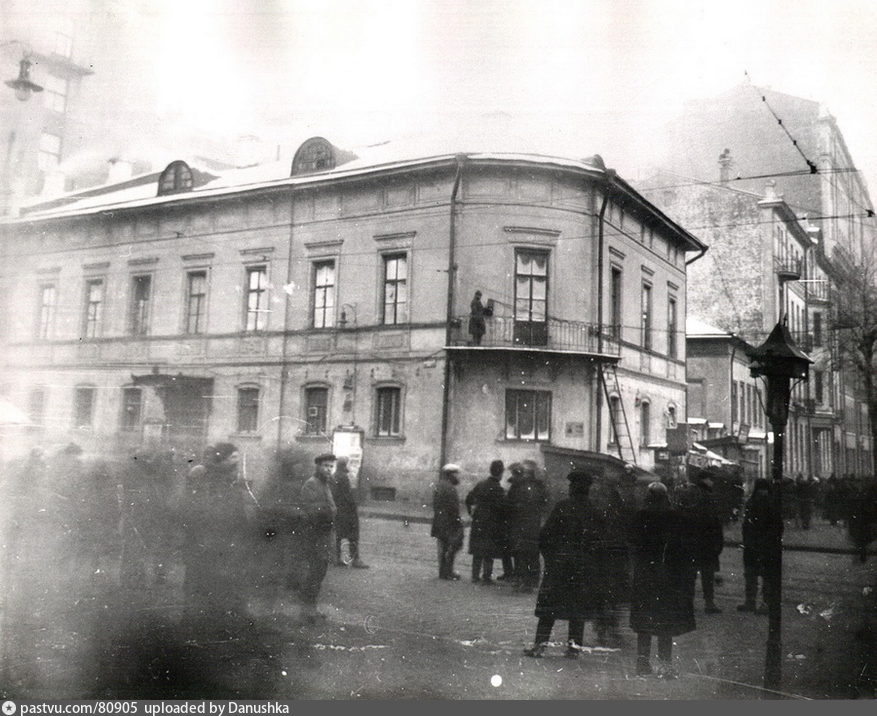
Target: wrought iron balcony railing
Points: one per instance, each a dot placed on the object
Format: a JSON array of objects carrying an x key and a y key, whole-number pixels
[{"x": 550, "y": 335}]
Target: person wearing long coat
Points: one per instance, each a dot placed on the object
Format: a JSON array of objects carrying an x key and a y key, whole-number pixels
[
  {"x": 486, "y": 504},
  {"x": 759, "y": 536},
  {"x": 347, "y": 518},
  {"x": 573, "y": 585},
  {"x": 526, "y": 500},
  {"x": 319, "y": 510},
  {"x": 662, "y": 593},
  {"x": 447, "y": 527}
]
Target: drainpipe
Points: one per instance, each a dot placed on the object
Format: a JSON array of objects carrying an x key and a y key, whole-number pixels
[
  {"x": 452, "y": 270},
  {"x": 284, "y": 378},
  {"x": 598, "y": 423}
]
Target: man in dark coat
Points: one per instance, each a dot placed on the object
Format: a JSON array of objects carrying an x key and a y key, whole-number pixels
[
  {"x": 486, "y": 504},
  {"x": 698, "y": 505},
  {"x": 347, "y": 519},
  {"x": 526, "y": 501},
  {"x": 447, "y": 527},
  {"x": 319, "y": 510},
  {"x": 477, "y": 312},
  {"x": 805, "y": 487},
  {"x": 661, "y": 603},
  {"x": 573, "y": 585},
  {"x": 759, "y": 536}
]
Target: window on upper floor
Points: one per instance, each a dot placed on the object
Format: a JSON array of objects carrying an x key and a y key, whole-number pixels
[
  {"x": 672, "y": 328},
  {"x": 138, "y": 310},
  {"x": 531, "y": 297},
  {"x": 616, "y": 288},
  {"x": 94, "y": 308},
  {"x": 55, "y": 97},
  {"x": 324, "y": 294},
  {"x": 395, "y": 306},
  {"x": 45, "y": 321},
  {"x": 196, "y": 301},
  {"x": 645, "y": 423},
  {"x": 646, "y": 315},
  {"x": 528, "y": 414},
  {"x": 818, "y": 387},
  {"x": 176, "y": 177},
  {"x": 256, "y": 308},
  {"x": 817, "y": 329}
]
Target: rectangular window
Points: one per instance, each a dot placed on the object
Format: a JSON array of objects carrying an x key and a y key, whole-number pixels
[
  {"x": 616, "y": 288},
  {"x": 257, "y": 298},
  {"x": 645, "y": 423},
  {"x": 388, "y": 416},
  {"x": 83, "y": 407},
  {"x": 817, "y": 329},
  {"x": 531, "y": 297},
  {"x": 818, "y": 386},
  {"x": 672, "y": 327},
  {"x": 56, "y": 93},
  {"x": 37, "y": 406},
  {"x": 49, "y": 152},
  {"x": 94, "y": 303},
  {"x": 324, "y": 294},
  {"x": 46, "y": 313},
  {"x": 734, "y": 416},
  {"x": 646, "y": 309},
  {"x": 196, "y": 301},
  {"x": 528, "y": 414},
  {"x": 132, "y": 406},
  {"x": 138, "y": 312},
  {"x": 395, "y": 289},
  {"x": 316, "y": 402},
  {"x": 248, "y": 410},
  {"x": 614, "y": 417}
]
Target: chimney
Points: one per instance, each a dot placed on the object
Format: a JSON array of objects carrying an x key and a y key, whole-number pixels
[{"x": 725, "y": 162}]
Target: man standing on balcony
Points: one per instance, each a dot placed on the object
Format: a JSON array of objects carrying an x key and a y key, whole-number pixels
[{"x": 477, "y": 312}]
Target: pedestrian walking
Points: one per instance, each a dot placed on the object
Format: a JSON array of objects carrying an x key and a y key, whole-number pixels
[
  {"x": 319, "y": 510},
  {"x": 573, "y": 587},
  {"x": 486, "y": 505},
  {"x": 447, "y": 527},
  {"x": 347, "y": 518},
  {"x": 805, "y": 488},
  {"x": 697, "y": 503},
  {"x": 662, "y": 603},
  {"x": 759, "y": 535},
  {"x": 527, "y": 501},
  {"x": 832, "y": 500}
]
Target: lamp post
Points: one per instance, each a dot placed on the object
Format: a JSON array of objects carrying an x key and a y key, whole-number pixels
[{"x": 778, "y": 360}]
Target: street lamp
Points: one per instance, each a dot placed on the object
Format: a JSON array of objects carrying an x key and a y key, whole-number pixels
[
  {"x": 778, "y": 360},
  {"x": 22, "y": 84}
]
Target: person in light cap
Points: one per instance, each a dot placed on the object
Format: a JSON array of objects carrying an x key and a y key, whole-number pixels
[
  {"x": 662, "y": 593},
  {"x": 573, "y": 585},
  {"x": 447, "y": 527}
]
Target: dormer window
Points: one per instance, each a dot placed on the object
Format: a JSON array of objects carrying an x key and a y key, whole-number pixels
[
  {"x": 176, "y": 178},
  {"x": 315, "y": 155}
]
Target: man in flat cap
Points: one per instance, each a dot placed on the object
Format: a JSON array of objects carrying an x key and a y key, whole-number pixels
[
  {"x": 447, "y": 527},
  {"x": 319, "y": 510}
]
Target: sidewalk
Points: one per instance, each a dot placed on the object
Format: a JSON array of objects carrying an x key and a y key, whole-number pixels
[{"x": 821, "y": 537}]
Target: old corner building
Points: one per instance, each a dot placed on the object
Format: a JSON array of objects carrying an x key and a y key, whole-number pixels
[{"x": 269, "y": 306}]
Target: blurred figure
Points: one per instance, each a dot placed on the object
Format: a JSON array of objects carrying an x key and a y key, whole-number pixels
[
  {"x": 527, "y": 500},
  {"x": 509, "y": 570},
  {"x": 698, "y": 506},
  {"x": 477, "y": 312},
  {"x": 216, "y": 547},
  {"x": 486, "y": 504},
  {"x": 347, "y": 519},
  {"x": 447, "y": 527},
  {"x": 319, "y": 510},
  {"x": 573, "y": 587},
  {"x": 759, "y": 536},
  {"x": 832, "y": 500},
  {"x": 862, "y": 516},
  {"x": 790, "y": 500},
  {"x": 662, "y": 603},
  {"x": 805, "y": 488}
]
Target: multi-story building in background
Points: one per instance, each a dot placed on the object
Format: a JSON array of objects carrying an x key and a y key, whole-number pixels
[{"x": 271, "y": 307}]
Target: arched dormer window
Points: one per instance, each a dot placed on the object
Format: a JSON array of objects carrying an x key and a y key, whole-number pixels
[
  {"x": 177, "y": 177},
  {"x": 314, "y": 155}
]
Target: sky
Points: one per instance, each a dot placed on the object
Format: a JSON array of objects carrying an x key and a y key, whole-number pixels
[{"x": 593, "y": 75}]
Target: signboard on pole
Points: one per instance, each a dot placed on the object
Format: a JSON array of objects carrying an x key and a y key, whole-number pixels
[{"x": 347, "y": 442}]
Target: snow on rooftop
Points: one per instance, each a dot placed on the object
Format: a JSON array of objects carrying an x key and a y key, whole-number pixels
[{"x": 695, "y": 326}]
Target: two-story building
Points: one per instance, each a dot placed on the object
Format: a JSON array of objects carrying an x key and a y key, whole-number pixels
[{"x": 269, "y": 307}]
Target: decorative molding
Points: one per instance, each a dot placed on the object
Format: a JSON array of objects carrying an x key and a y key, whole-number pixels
[
  {"x": 615, "y": 252},
  {"x": 648, "y": 271},
  {"x": 99, "y": 266},
  {"x": 395, "y": 236},
  {"x": 261, "y": 252},
  {"x": 316, "y": 249},
  {"x": 198, "y": 257},
  {"x": 672, "y": 285},
  {"x": 531, "y": 230},
  {"x": 143, "y": 261},
  {"x": 49, "y": 269}
]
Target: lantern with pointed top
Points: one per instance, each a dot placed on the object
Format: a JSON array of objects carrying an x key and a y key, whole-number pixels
[
  {"x": 23, "y": 85},
  {"x": 779, "y": 361}
]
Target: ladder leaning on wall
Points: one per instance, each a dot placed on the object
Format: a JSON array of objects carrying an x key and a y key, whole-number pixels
[{"x": 617, "y": 419}]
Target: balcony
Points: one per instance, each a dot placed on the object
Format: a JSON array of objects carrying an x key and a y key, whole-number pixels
[
  {"x": 551, "y": 336},
  {"x": 788, "y": 268}
]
